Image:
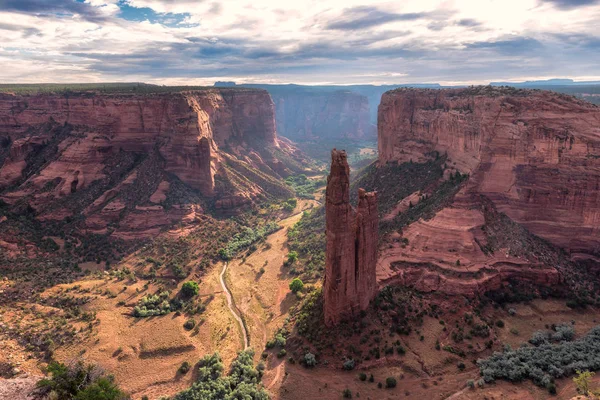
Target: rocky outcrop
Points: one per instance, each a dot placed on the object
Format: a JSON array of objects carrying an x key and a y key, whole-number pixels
[
  {"x": 133, "y": 163},
  {"x": 534, "y": 154},
  {"x": 352, "y": 238}
]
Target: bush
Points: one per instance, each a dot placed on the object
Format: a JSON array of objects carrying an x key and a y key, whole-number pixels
[
  {"x": 390, "y": 382},
  {"x": 189, "y": 324},
  {"x": 184, "y": 368},
  {"x": 545, "y": 362},
  {"x": 189, "y": 289},
  {"x": 500, "y": 323},
  {"x": 471, "y": 384},
  {"x": 296, "y": 285},
  {"x": 80, "y": 382},
  {"x": 348, "y": 365},
  {"x": 310, "y": 360},
  {"x": 362, "y": 376},
  {"x": 292, "y": 257},
  {"x": 347, "y": 393},
  {"x": 281, "y": 353},
  {"x": 243, "y": 381}
]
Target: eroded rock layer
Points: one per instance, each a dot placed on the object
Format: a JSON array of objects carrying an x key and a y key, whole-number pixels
[
  {"x": 352, "y": 238},
  {"x": 535, "y": 154},
  {"x": 132, "y": 164}
]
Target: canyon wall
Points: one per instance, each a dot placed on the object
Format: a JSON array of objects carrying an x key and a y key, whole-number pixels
[
  {"x": 135, "y": 163},
  {"x": 321, "y": 112},
  {"x": 534, "y": 154},
  {"x": 352, "y": 238}
]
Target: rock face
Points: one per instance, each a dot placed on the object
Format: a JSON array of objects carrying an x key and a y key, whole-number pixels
[
  {"x": 352, "y": 238},
  {"x": 534, "y": 154},
  {"x": 304, "y": 114},
  {"x": 132, "y": 164}
]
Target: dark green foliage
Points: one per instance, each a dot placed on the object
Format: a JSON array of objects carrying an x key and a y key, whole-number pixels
[
  {"x": 189, "y": 289},
  {"x": 307, "y": 239},
  {"x": 290, "y": 204},
  {"x": 296, "y": 285},
  {"x": 247, "y": 237},
  {"x": 362, "y": 376},
  {"x": 390, "y": 382},
  {"x": 347, "y": 393},
  {"x": 150, "y": 305},
  {"x": 189, "y": 324},
  {"x": 303, "y": 186},
  {"x": 80, "y": 382},
  {"x": 546, "y": 362},
  {"x": 243, "y": 381},
  {"x": 348, "y": 365},
  {"x": 184, "y": 368},
  {"x": 310, "y": 360}
]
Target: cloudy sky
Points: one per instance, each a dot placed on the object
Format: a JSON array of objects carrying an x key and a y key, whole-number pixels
[{"x": 302, "y": 41}]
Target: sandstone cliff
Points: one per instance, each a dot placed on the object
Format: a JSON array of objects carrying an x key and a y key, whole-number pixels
[
  {"x": 352, "y": 238},
  {"x": 132, "y": 164},
  {"x": 535, "y": 154}
]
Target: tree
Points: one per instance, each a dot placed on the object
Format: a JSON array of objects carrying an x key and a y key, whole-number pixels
[
  {"x": 390, "y": 382},
  {"x": 80, "y": 382},
  {"x": 582, "y": 381},
  {"x": 190, "y": 289},
  {"x": 310, "y": 360},
  {"x": 292, "y": 257},
  {"x": 296, "y": 285}
]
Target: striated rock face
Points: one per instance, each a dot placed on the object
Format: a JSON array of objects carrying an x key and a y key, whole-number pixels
[
  {"x": 352, "y": 238},
  {"x": 133, "y": 163},
  {"x": 534, "y": 154},
  {"x": 303, "y": 114}
]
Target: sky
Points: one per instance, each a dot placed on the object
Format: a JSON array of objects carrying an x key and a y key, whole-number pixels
[{"x": 187, "y": 42}]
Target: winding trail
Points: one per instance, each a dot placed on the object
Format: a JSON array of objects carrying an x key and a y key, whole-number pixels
[{"x": 232, "y": 307}]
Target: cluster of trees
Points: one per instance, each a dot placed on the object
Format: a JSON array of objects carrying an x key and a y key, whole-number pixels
[
  {"x": 161, "y": 303},
  {"x": 154, "y": 304},
  {"x": 243, "y": 381},
  {"x": 246, "y": 238},
  {"x": 303, "y": 186},
  {"x": 545, "y": 361},
  {"x": 79, "y": 382}
]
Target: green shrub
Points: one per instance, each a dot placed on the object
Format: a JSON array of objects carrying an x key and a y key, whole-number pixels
[
  {"x": 362, "y": 376},
  {"x": 348, "y": 365},
  {"x": 189, "y": 324},
  {"x": 184, "y": 368},
  {"x": 190, "y": 289},
  {"x": 310, "y": 360},
  {"x": 390, "y": 382},
  {"x": 292, "y": 257},
  {"x": 296, "y": 285},
  {"x": 79, "y": 382},
  {"x": 347, "y": 393}
]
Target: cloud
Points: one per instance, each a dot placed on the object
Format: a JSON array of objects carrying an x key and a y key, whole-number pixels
[
  {"x": 510, "y": 46},
  {"x": 570, "y": 4},
  {"x": 334, "y": 41},
  {"x": 365, "y": 17},
  {"x": 65, "y": 7}
]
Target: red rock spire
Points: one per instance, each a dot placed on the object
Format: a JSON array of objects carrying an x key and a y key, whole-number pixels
[{"x": 352, "y": 238}]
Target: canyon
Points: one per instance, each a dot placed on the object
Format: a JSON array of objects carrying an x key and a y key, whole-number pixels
[
  {"x": 133, "y": 164},
  {"x": 533, "y": 161}
]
